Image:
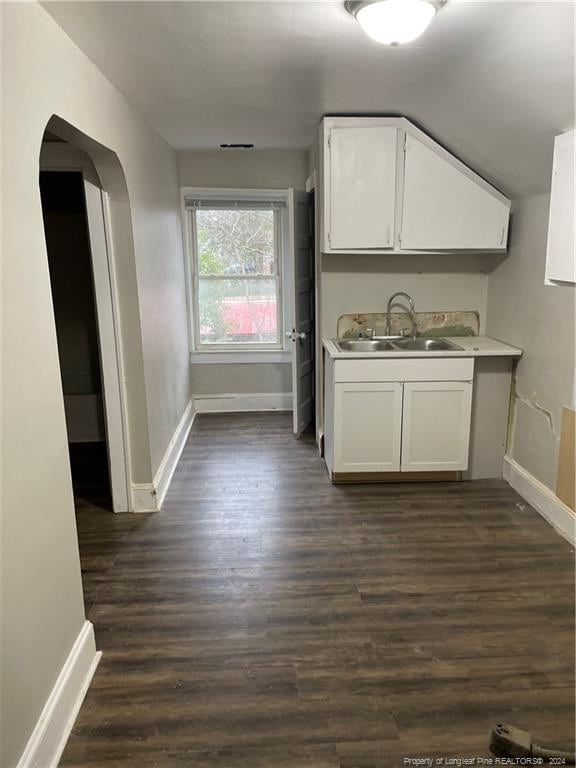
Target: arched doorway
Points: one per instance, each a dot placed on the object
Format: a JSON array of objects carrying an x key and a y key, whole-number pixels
[{"x": 105, "y": 401}]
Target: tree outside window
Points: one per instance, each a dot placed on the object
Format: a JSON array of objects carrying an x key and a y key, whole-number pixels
[{"x": 237, "y": 276}]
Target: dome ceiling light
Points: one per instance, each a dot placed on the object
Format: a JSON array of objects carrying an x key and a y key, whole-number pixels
[{"x": 393, "y": 22}]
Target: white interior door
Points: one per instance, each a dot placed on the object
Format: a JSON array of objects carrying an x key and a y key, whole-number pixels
[
  {"x": 367, "y": 426},
  {"x": 302, "y": 334},
  {"x": 108, "y": 347},
  {"x": 362, "y": 193},
  {"x": 444, "y": 209},
  {"x": 436, "y": 426}
]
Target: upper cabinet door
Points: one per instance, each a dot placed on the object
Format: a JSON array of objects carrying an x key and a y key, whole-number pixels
[
  {"x": 444, "y": 208},
  {"x": 560, "y": 261},
  {"x": 361, "y": 198}
]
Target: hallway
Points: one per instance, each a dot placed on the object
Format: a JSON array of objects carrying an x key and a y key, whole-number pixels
[{"x": 268, "y": 618}]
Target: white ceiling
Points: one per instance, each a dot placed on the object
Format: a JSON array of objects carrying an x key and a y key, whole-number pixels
[{"x": 493, "y": 81}]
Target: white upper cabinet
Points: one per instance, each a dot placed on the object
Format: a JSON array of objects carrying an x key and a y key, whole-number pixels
[
  {"x": 362, "y": 187},
  {"x": 560, "y": 262},
  {"x": 445, "y": 209},
  {"x": 387, "y": 187}
]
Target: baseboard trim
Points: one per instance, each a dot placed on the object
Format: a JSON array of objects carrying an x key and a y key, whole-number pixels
[
  {"x": 256, "y": 401},
  {"x": 49, "y": 737},
  {"x": 144, "y": 498},
  {"x": 165, "y": 471},
  {"x": 149, "y": 497},
  {"x": 539, "y": 496}
]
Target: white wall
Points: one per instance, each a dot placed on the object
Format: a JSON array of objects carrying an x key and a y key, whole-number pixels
[
  {"x": 360, "y": 283},
  {"x": 218, "y": 379},
  {"x": 540, "y": 320},
  {"x": 250, "y": 169},
  {"x": 43, "y": 73}
]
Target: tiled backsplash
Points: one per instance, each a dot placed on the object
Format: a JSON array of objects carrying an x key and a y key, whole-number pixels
[{"x": 428, "y": 323}]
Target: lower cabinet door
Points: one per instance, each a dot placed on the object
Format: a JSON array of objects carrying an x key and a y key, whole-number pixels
[
  {"x": 367, "y": 427},
  {"x": 436, "y": 426}
]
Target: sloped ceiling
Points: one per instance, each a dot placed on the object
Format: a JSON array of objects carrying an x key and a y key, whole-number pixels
[{"x": 492, "y": 81}]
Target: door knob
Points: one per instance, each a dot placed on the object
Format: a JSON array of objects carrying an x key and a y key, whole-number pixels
[{"x": 294, "y": 336}]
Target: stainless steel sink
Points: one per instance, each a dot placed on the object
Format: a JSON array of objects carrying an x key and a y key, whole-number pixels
[
  {"x": 365, "y": 345},
  {"x": 426, "y": 345},
  {"x": 396, "y": 344}
]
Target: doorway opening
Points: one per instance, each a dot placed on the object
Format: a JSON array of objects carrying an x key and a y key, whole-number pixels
[
  {"x": 116, "y": 371},
  {"x": 73, "y": 296},
  {"x": 251, "y": 299}
]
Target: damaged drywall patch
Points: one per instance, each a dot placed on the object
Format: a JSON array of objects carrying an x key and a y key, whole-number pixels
[
  {"x": 439, "y": 323},
  {"x": 533, "y": 439},
  {"x": 534, "y": 404}
]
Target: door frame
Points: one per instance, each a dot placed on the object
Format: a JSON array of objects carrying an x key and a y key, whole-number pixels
[{"x": 66, "y": 158}]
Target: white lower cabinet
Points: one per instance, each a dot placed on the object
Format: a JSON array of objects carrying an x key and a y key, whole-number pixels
[
  {"x": 398, "y": 426},
  {"x": 436, "y": 426},
  {"x": 368, "y": 427}
]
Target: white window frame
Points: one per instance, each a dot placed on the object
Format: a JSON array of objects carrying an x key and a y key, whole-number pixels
[{"x": 234, "y": 353}]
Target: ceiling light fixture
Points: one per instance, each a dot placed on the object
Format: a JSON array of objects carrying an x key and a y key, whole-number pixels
[{"x": 393, "y": 21}]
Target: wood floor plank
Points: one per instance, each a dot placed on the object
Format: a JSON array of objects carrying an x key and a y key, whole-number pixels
[{"x": 269, "y": 619}]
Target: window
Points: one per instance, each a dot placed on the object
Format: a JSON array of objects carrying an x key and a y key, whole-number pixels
[{"x": 237, "y": 273}]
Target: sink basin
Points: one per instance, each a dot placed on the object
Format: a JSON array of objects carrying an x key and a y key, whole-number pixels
[
  {"x": 396, "y": 344},
  {"x": 365, "y": 345},
  {"x": 425, "y": 345}
]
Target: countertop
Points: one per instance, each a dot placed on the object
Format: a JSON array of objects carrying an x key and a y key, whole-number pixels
[{"x": 471, "y": 346}]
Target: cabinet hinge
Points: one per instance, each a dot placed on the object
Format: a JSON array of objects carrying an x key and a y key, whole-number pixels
[
  {"x": 329, "y": 138},
  {"x": 404, "y": 142}
]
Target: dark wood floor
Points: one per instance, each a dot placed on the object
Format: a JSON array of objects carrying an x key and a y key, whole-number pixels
[
  {"x": 90, "y": 475},
  {"x": 267, "y": 619}
]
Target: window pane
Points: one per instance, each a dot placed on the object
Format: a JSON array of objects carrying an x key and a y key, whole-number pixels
[
  {"x": 235, "y": 242},
  {"x": 238, "y": 311}
]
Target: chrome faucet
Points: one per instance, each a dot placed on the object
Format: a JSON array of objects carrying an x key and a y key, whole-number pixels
[{"x": 411, "y": 312}]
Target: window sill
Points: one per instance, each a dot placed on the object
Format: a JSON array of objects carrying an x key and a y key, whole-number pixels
[{"x": 234, "y": 358}]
